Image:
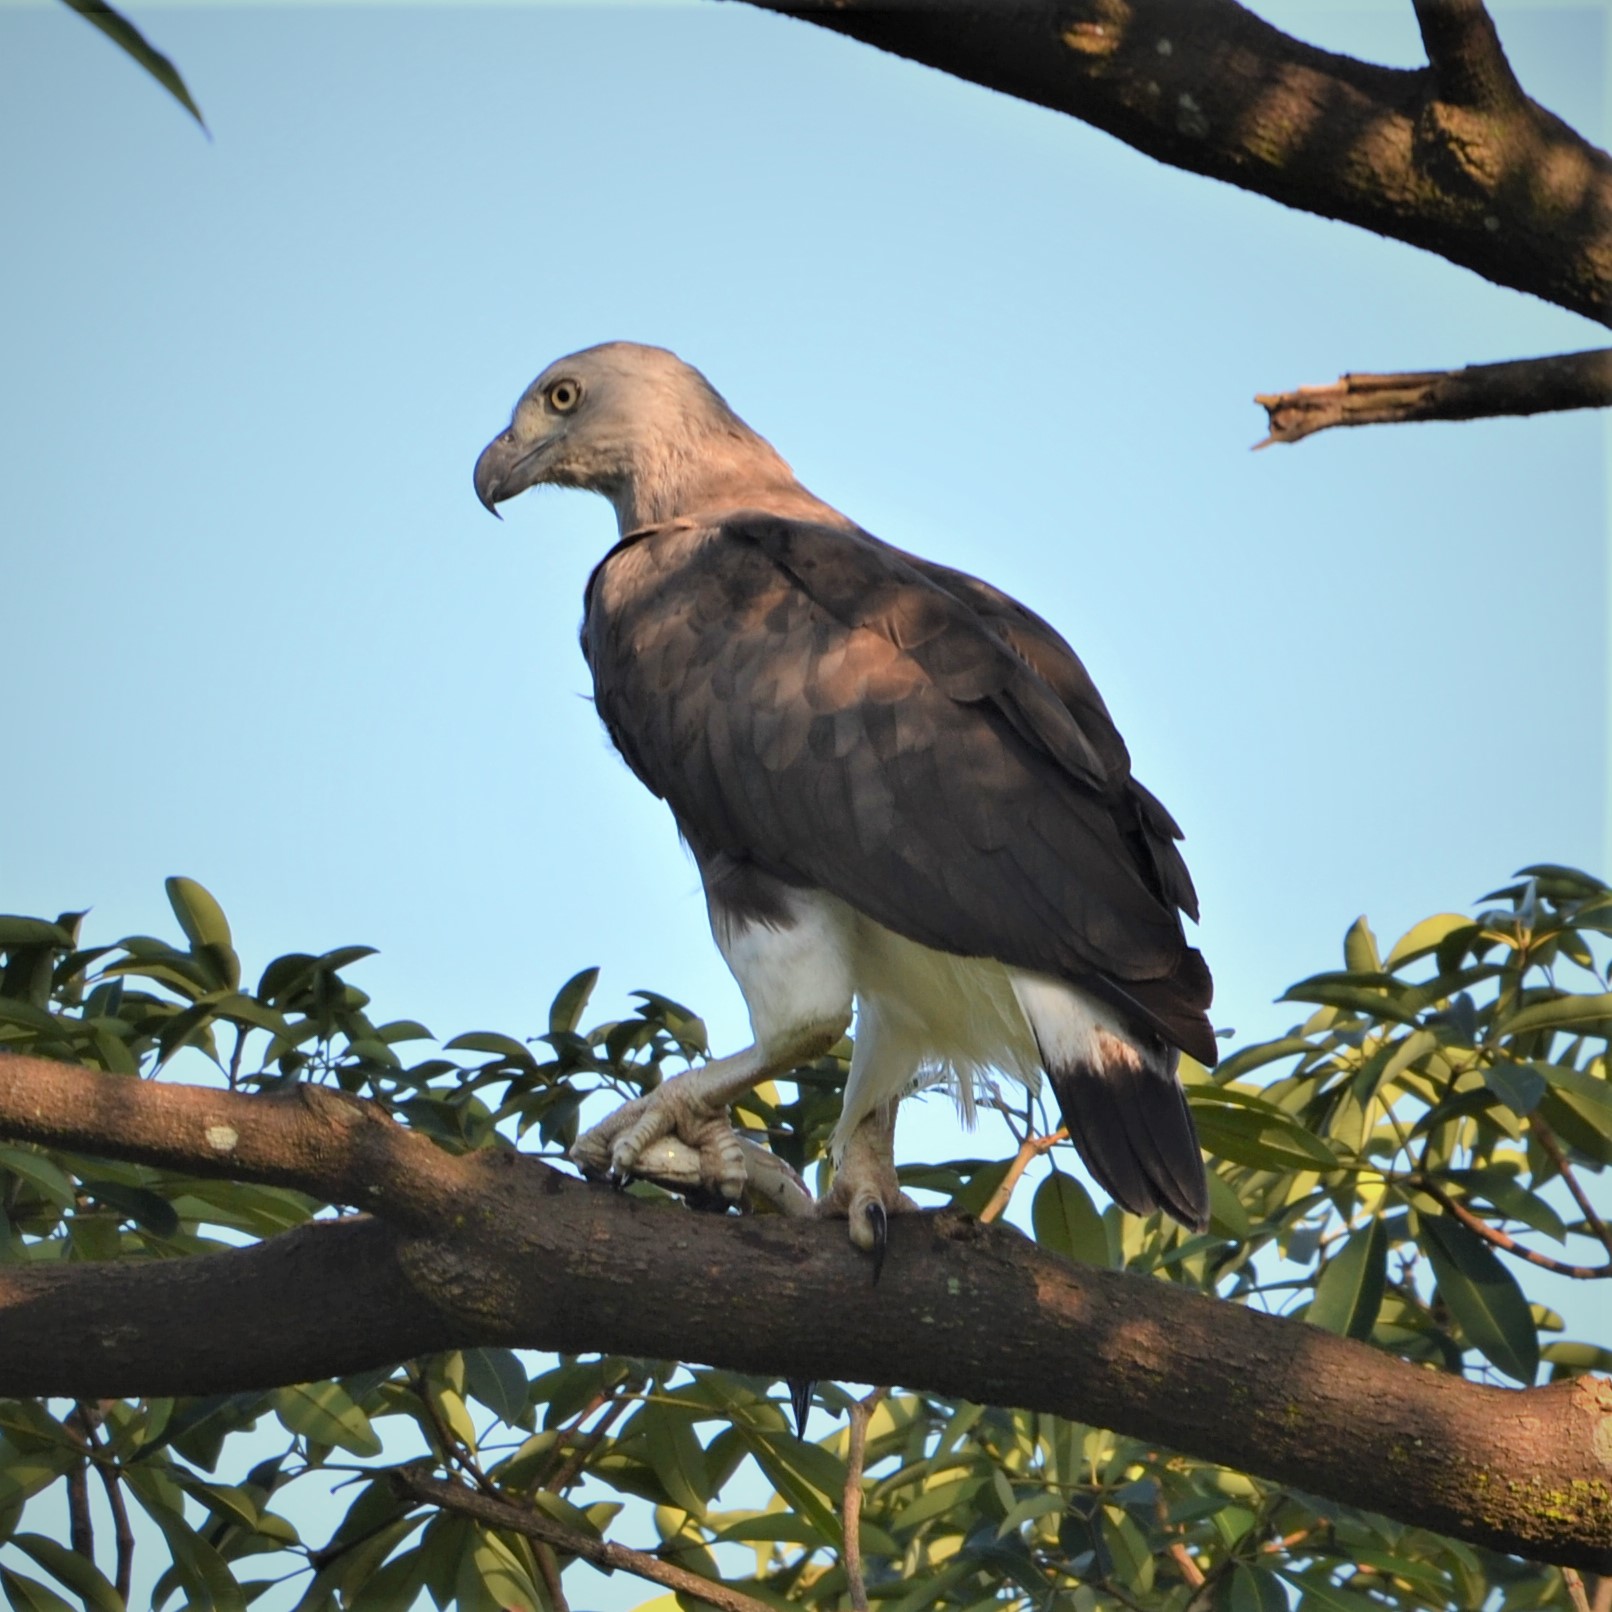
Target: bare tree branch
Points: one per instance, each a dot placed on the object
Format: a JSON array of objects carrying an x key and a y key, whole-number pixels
[
  {"x": 495, "y": 1512},
  {"x": 1452, "y": 158},
  {"x": 495, "y": 1248},
  {"x": 851, "y": 1502},
  {"x": 1480, "y": 391}
]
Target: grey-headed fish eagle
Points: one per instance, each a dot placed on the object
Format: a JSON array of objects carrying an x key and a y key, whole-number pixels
[{"x": 903, "y": 792}]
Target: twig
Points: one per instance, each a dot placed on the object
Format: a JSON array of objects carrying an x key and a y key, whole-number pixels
[
  {"x": 453, "y": 1449},
  {"x": 496, "y": 1512},
  {"x": 80, "y": 1527},
  {"x": 122, "y": 1533},
  {"x": 1547, "y": 1140},
  {"x": 1032, "y": 1147},
  {"x": 851, "y": 1504},
  {"x": 1191, "y": 1573},
  {"x": 1501, "y": 1239},
  {"x": 1479, "y": 391},
  {"x": 586, "y": 1444},
  {"x": 1602, "y": 1601},
  {"x": 567, "y": 1432},
  {"x": 1575, "y": 1589},
  {"x": 549, "y": 1567}
]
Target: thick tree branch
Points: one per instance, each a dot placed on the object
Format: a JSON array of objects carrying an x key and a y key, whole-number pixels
[
  {"x": 518, "y": 1254},
  {"x": 1452, "y": 158},
  {"x": 326, "y": 1143},
  {"x": 1480, "y": 391}
]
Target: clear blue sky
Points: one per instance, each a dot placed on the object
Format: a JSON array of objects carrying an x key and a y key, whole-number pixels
[{"x": 258, "y": 630}]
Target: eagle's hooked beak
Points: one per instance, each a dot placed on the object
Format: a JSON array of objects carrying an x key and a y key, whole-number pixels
[{"x": 506, "y": 467}]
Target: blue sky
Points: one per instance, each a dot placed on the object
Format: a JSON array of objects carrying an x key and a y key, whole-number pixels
[
  {"x": 269, "y": 639},
  {"x": 258, "y": 630}
]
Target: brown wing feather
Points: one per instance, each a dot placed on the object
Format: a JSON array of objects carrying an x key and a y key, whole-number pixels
[{"x": 809, "y": 699}]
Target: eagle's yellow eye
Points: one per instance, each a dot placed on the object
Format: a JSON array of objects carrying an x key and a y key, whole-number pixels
[{"x": 564, "y": 396}]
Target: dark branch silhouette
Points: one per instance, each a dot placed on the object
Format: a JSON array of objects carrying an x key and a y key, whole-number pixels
[{"x": 1454, "y": 158}]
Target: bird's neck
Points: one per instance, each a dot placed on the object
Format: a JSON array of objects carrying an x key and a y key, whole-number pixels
[{"x": 727, "y": 472}]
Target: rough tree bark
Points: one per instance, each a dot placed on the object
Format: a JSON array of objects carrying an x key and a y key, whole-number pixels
[
  {"x": 496, "y": 1248},
  {"x": 1453, "y": 157}
]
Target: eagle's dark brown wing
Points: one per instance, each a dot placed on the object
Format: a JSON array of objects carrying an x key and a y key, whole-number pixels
[{"x": 903, "y": 736}]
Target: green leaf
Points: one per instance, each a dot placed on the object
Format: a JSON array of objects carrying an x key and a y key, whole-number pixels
[
  {"x": 1250, "y": 1130},
  {"x": 1028, "y": 1510},
  {"x": 325, "y": 1413},
  {"x": 29, "y": 1595},
  {"x": 671, "y": 1449},
  {"x": 78, "y": 1573},
  {"x": 1360, "y": 954},
  {"x": 798, "y": 1493},
  {"x": 1517, "y": 1085},
  {"x": 1513, "y": 1201},
  {"x": 1589, "y": 1012},
  {"x": 1589, "y": 1097},
  {"x": 1248, "y": 1059},
  {"x": 558, "y": 1509},
  {"x": 1255, "y": 1589},
  {"x": 1483, "y": 1296},
  {"x": 498, "y": 1379},
  {"x": 502, "y": 1046},
  {"x": 1425, "y": 937},
  {"x": 1318, "y": 1595},
  {"x": 1569, "y": 1358},
  {"x": 127, "y": 37},
  {"x": 397, "y": 1584},
  {"x": 143, "y": 1207},
  {"x": 204, "y": 1573},
  {"x": 199, "y": 915},
  {"x": 565, "y": 1012},
  {"x": 1351, "y": 993},
  {"x": 15, "y": 931},
  {"x": 1127, "y": 1544},
  {"x": 1409, "y": 1050},
  {"x": 1350, "y": 1290},
  {"x": 1066, "y": 1221},
  {"x": 43, "y": 1174},
  {"x": 492, "y": 1576},
  {"x": 1227, "y": 1216}
]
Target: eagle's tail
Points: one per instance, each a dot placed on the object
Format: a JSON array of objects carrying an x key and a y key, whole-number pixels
[{"x": 1119, "y": 1096}]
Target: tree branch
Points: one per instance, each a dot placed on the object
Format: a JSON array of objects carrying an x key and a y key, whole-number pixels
[
  {"x": 495, "y": 1512},
  {"x": 1480, "y": 391},
  {"x": 325, "y": 1143},
  {"x": 851, "y": 1501},
  {"x": 1464, "y": 52},
  {"x": 521, "y": 1255},
  {"x": 1452, "y": 158}
]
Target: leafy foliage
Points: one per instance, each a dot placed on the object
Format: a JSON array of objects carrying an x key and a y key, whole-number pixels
[{"x": 1388, "y": 1170}]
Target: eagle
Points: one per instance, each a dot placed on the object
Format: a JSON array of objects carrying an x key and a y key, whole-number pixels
[{"x": 904, "y": 794}]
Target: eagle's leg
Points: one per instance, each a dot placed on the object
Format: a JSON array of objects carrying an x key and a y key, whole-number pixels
[
  {"x": 693, "y": 1108},
  {"x": 866, "y": 1190}
]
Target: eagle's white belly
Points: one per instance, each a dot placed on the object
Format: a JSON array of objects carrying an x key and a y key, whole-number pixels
[{"x": 917, "y": 1010}]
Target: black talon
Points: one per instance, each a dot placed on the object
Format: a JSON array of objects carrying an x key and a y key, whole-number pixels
[
  {"x": 879, "y": 1221},
  {"x": 800, "y": 1400}
]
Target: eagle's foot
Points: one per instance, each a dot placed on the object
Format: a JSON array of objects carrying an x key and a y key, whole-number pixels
[
  {"x": 866, "y": 1190},
  {"x": 640, "y": 1139}
]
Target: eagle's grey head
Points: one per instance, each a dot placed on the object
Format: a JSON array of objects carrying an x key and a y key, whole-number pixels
[{"x": 638, "y": 425}]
